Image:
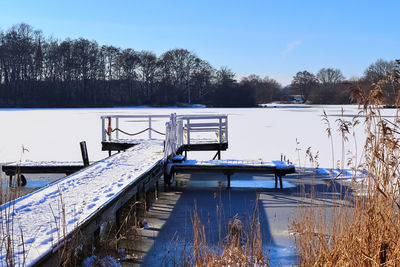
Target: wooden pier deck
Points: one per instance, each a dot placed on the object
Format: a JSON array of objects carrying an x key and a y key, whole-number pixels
[
  {"x": 83, "y": 200},
  {"x": 42, "y": 167},
  {"x": 229, "y": 167}
]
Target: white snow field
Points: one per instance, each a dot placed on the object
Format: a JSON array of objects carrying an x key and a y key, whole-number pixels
[
  {"x": 39, "y": 215},
  {"x": 254, "y": 133}
]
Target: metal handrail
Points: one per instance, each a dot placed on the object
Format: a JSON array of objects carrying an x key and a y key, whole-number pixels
[
  {"x": 116, "y": 119},
  {"x": 179, "y": 128}
]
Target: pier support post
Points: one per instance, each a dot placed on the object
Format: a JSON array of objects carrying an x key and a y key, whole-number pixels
[
  {"x": 148, "y": 198},
  {"x": 151, "y": 195},
  {"x": 156, "y": 189},
  {"x": 228, "y": 177},
  {"x": 280, "y": 181},
  {"x": 140, "y": 204},
  {"x": 217, "y": 155},
  {"x": 96, "y": 239}
]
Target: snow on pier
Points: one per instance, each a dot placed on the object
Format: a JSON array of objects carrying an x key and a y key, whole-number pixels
[{"x": 45, "y": 216}]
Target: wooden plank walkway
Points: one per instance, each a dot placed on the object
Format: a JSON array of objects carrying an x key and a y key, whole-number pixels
[{"x": 82, "y": 200}]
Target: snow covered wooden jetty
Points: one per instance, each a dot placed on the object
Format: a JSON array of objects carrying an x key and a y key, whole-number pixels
[
  {"x": 39, "y": 224},
  {"x": 84, "y": 200}
]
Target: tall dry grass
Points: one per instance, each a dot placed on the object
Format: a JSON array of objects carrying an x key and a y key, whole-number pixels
[
  {"x": 362, "y": 229},
  {"x": 9, "y": 229},
  {"x": 241, "y": 246}
]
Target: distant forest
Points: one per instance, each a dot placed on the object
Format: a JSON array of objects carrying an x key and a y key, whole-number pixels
[{"x": 39, "y": 71}]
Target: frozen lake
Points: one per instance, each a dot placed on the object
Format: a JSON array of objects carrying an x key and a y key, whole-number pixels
[{"x": 254, "y": 133}]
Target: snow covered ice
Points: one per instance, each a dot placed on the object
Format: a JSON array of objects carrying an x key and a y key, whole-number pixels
[{"x": 254, "y": 133}]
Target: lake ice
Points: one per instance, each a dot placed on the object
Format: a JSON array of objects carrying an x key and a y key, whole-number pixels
[{"x": 254, "y": 133}]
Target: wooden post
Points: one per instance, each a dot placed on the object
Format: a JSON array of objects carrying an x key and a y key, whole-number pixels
[
  {"x": 103, "y": 131},
  {"x": 141, "y": 203},
  {"x": 226, "y": 129},
  {"x": 280, "y": 181},
  {"x": 228, "y": 177},
  {"x": 149, "y": 127},
  {"x": 109, "y": 123},
  {"x": 96, "y": 239},
  {"x": 157, "y": 193},
  {"x": 276, "y": 181},
  {"x": 188, "y": 131},
  {"x": 117, "y": 128},
  {"x": 220, "y": 131},
  {"x": 85, "y": 157}
]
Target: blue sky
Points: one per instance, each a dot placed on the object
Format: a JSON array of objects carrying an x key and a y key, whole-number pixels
[{"x": 267, "y": 38}]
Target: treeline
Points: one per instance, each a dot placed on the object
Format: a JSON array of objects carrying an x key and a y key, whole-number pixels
[
  {"x": 329, "y": 86},
  {"x": 37, "y": 71},
  {"x": 43, "y": 72}
]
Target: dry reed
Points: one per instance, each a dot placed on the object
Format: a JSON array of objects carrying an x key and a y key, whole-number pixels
[
  {"x": 242, "y": 245},
  {"x": 363, "y": 229}
]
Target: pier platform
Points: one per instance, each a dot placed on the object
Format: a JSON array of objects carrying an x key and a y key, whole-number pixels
[
  {"x": 229, "y": 167},
  {"x": 190, "y": 132},
  {"x": 66, "y": 167}
]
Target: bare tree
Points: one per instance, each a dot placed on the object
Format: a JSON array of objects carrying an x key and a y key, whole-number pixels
[
  {"x": 225, "y": 76},
  {"x": 179, "y": 64},
  {"x": 147, "y": 72},
  {"x": 303, "y": 83},
  {"x": 201, "y": 80},
  {"x": 329, "y": 76},
  {"x": 265, "y": 89},
  {"x": 376, "y": 71}
]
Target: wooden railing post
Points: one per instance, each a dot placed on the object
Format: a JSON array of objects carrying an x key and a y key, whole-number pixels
[
  {"x": 110, "y": 123},
  {"x": 220, "y": 130},
  {"x": 226, "y": 129},
  {"x": 188, "y": 131},
  {"x": 103, "y": 130},
  {"x": 149, "y": 127},
  {"x": 117, "y": 127}
]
